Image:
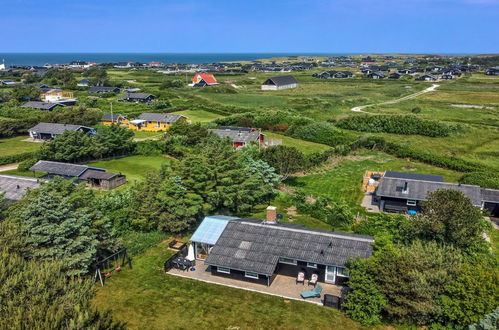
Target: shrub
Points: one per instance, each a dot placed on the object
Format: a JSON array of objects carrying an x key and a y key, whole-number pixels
[
  {"x": 26, "y": 164},
  {"x": 16, "y": 158},
  {"x": 482, "y": 179},
  {"x": 397, "y": 124},
  {"x": 416, "y": 110},
  {"x": 320, "y": 132}
]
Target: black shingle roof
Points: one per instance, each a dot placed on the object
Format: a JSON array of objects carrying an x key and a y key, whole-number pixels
[
  {"x": 113, "y": 117},
  {"x": 104, "y": 90},
  {"x": 64, "y": 169},
  {"x": 235, "y": 135},
  {"x": 53, "y": 128},
  {"x": 419, "y": 189},
  {"x": 414, "y": 176},
  {"x": 281, "y": 80},
  {"x": 255, "y": 246},
  {"x": 15, "y": 187},
  {"x": 160, "y": 117},
  {"x": 39, "y": 105}
]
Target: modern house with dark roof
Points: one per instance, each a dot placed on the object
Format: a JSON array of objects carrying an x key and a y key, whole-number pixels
[
  {"x": 257, "y": 250},
  {"x": 100, "y": 90},
  {"x": 48, "y": 131},
  {"x": 494, "y": 71},
  {"x": 404, "y": 192},
  {"x": 279, "y": 83},
  {"x": 46, "y": 106},
  {"x": 240, "y": 136},
  {"x": 83, "y": 83},
  {"x": 138, "y": 98},
  {"x": 154, "y": 122},
  {"x": 95, "y": 176}
]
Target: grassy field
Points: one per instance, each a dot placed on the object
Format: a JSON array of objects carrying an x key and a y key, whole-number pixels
[
  {"x": 305, "y": 146},
  {"x": 146, "y": 298},
  {"x": 342, "y": 177},
  {"x": 134, "y": 167},
  {"x": 146, "y": 135},
  {"x": 17, "y": 145},
  {"x": 198, "y": 116}
]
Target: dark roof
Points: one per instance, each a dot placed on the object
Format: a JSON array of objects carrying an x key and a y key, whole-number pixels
[
  {"x": 66, "y": 169},
  {"x": 490, "y": 195},
  {"x": 39, "y": 105},
  {"x": 53, "y": 128},
  {"x": 103, "y": 90},
  {"x": 255, "y": 246},
  {"x": 237, "y": 135},
  {"x": 15, "y": 187},
  {"x": 419, "y": 189},
  {"x": 281, "y": 80},
  {"x": 139, "y": 96},
  {"x": 100, "y": 175},
  {"x": 414, "y": 176},
  {"x": 160, "y": 117},
  {"x": 113, "y": 117}
]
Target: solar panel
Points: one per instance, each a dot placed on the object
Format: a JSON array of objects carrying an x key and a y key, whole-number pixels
[{"x": 210, "y": 229}]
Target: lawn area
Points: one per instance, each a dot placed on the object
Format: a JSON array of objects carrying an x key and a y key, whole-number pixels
[
  {"x": 134, "y": 167},
  {"x": 146, "y": 135},
  {"x": 147, "y": 298},
  {"x": 305, "y": 146},
  {"x": 342, "y": 178},
  {"x": 17, "y": 145},
  {"x": 198, "y": 116}
]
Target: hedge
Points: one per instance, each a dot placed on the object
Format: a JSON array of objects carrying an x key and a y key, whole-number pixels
[
  {"x": 16, "y": 158},
  {"x": 482, "y": 179},
  {"x": 397, "y": 124}
]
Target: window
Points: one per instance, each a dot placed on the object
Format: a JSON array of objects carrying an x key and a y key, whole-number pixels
[
  {"x": 411, "y": 202},
  {"x": 251, "y": 275},
  {"x": 288, "y": 261},
  {"x": 341, "y": 272},
  {"x": 224, "y": 270},
  {"x": 311, "y": 265}
]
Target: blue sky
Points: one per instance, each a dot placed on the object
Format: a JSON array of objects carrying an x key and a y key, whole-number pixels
[{"x": 335, "y": 26}]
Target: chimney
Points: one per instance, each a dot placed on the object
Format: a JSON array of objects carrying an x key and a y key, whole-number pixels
[
  {"x": 405, "y": 191},
  {"x": 271, "y": 214}
]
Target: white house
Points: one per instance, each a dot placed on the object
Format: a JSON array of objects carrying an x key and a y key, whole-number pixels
[{"x": 279, "y": 83}]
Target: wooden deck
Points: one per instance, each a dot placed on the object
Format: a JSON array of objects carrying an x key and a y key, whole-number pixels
[{"x": 282, "y": 286}]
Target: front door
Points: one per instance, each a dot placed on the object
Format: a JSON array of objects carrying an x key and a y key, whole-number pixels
[{"x": 330, "y": 274}]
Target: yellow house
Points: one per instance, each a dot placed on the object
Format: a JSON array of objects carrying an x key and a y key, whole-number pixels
[
  {"x": 118, "y": 119},
  {"x": 154, "y": 122}
]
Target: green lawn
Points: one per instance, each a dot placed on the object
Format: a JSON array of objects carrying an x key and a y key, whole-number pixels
[
  {"x": 198, "y": 116},
  {"x": 147, "y": 135},
  {"x": 17, "y": 145},
  {"x": 305, "y": 146},
  {"x": 342, "y": 179},
  {"x": 134, "y": 167},
  {"x": 147, "y": 298}
]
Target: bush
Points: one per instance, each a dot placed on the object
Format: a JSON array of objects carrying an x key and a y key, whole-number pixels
[
  {"x": 16, "y": 158},
  {"x": 25, "y": 165},
  {"x": 320, "y": 132},
  {"x": 398, "y": 124},
  {"x": 416, "y": 110},
  {"x": 482, "y": 179},
  {"x": 176, "y": 83}
]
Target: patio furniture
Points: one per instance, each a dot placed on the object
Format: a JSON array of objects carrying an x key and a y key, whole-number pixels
[
  {"x": 313, "y": 279},
  {"x": 300, "y": 278},
  {"x": 332, "y": 301},
  {"x": 315, "y": 293},
  {"x": 181, "y": 263}
]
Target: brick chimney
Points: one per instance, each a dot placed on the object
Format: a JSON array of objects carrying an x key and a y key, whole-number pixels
[{"x": 271, "y": 214}]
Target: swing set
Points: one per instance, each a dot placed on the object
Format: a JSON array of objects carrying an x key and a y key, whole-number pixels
[{"x": 105, "y": 267}]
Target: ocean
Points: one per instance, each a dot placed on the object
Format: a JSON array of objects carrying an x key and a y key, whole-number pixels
[{"x": 39, "y": 59}]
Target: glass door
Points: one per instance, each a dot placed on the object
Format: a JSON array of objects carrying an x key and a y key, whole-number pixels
[{"x": 330, "y": 274}]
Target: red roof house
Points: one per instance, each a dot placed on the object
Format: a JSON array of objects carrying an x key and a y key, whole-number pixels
[{"x": 203, "y": 79}]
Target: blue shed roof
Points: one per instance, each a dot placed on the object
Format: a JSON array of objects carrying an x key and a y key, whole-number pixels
[{"x": 211, "y": 228}]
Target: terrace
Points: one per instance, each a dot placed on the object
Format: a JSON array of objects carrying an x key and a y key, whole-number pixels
[{"x": 282, "y": 286}]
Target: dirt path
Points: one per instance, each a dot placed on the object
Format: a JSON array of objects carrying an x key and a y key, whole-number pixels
[
  {"x": 427, "y": 90},
  {"x": 9, "y": 167}
]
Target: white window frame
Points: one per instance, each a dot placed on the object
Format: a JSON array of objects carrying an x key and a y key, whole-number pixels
[
  {"x": 411, "y": 202},
  {"x": 288, "y": 261},
  {"x": 252, "y": 275},
  {"x": 224, "y": 270},
  {"x": 311, "y": 265},
  {"x": 342, "y": 272}
]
